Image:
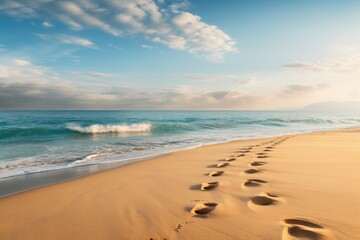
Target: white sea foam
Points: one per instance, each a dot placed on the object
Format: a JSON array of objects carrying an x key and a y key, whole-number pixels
[
  {"x": 118, "y": 128},
  {"x": 87, "y": 158}
]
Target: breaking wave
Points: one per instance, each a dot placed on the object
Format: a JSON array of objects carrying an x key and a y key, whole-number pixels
[{"x": 118, "y": 128}]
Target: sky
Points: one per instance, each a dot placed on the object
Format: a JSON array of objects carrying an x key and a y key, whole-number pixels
[{"x": 181, "y": 54}]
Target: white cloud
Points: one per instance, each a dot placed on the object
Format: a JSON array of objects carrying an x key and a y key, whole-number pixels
[
  {"x": 241, "y": 79},
  {"x": 28, "y": 86},
  {"x": 168, "y": 24},
  {"x": 179, "y": 6},
  {"x": 172, "y": 41},
  {"x": 147, "y": 46},
  {"x": 198, "y": 37},
  {"x": 21, "y": 62},
  {"x": 47, "y": 24},
  {"x": 116, "y": 47},
  {"x": 17, "y": 9},
  {"x": 24, "y": 85},
  {"x": 21, "y": 71},
  {"x": 343, "y": 64},
  {"x": 93, "y": 74},
  {"x": 77, "y": 13},
  {"x": 296, "y": 90},
  {"x": 67, "y": 39},
  {"x": 211, "y": 100},
  {"x": 75, "y": 40}
]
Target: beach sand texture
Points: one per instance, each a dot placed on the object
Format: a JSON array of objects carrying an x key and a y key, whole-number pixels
[{"x": 303, "y": 186}]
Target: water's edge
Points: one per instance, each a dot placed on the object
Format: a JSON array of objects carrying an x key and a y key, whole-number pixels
[
  {"x": 21, "y": 183},
  {"x": 32, "y": 141}
]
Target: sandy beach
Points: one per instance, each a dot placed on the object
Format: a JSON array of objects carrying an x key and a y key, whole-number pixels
[
  {"x": 304, "y": 186},
  {"x": 179, "y": 120}
]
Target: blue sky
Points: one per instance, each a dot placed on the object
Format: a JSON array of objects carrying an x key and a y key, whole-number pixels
[{"x": 152, "y": 54}]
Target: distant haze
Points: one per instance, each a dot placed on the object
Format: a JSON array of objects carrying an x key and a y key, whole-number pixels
[{"x": 334, "y": 106}]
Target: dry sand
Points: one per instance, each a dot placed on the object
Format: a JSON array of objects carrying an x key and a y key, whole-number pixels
[{"x": 293, "y": 187}]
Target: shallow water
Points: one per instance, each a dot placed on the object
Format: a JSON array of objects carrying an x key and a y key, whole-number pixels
[{"x": 34, "y": 141}]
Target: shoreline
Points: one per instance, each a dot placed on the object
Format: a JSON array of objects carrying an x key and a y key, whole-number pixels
[
  {"x": 26, "y": 182},
  {"x": 111, "y": 159},
  {"x": 13, "y": 185},
  {"x": 289, "y": 187}
]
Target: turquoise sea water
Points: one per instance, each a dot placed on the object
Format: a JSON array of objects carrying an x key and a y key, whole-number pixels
[{"x": 34, "y": 141}]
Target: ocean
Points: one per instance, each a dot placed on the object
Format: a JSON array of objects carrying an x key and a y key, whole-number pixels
[{"x": 37, "y": 141}]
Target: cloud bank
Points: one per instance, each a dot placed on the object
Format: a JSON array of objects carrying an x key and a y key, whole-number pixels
[
  {"x": 24, "y": 85},
  {"x": 296, "y": 90},
  {"x": 159, "y": 22}
]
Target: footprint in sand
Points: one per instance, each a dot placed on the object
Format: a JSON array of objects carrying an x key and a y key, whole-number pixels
[
  {"x": 209, "y": 185},
  {"x": 216, "y": 173},
  {"x": 253, "y": 183},
  {"x": 263, "y": 199},
  {"x": 298, "y": 228},
  {"x": 267, "y": 150},
  {"x": 300, "y": 221},
  {"x": 238, "y": 155},
  {"x": 252, "y": 171},
  {"x": 257, "y": 163},
  {"x": 244, "y": 151},
  {"x": 180, "y": 226},
  {"x": 220, "y": 165},
  {"x": 230, "y": 159},
  {"x": 203, "y": 208},
  {"x": 261, "y": 153},
  {"x": 262, "y": 156}
]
